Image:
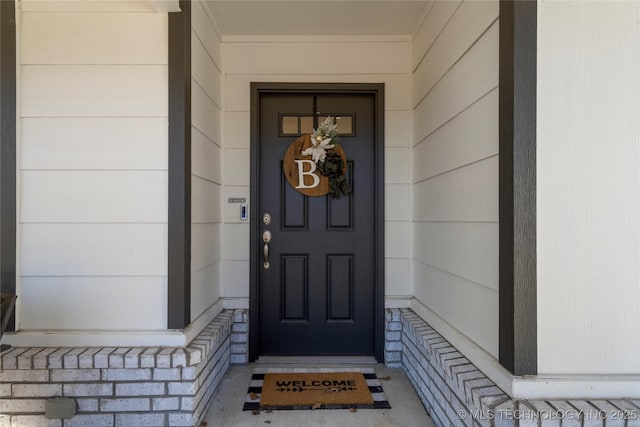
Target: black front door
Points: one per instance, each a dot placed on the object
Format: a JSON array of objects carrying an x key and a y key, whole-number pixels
[{"x": 318, "y": 294}]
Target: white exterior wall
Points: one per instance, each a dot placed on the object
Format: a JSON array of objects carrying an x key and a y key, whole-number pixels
[
  {"x": 588, "y": 187},
  {"x": 92, "y": 232},
  {"x": 455, "y": 168},
  {"x": 297, "y": 61},
  {"x": 206, "y": 178}
]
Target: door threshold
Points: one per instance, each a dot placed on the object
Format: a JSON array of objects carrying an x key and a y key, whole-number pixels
[{"x": 315, "y": 360}]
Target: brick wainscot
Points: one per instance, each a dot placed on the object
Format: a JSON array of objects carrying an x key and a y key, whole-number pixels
[{"x": 132, "y": 386}]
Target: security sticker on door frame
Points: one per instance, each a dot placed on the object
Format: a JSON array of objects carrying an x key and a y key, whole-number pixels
[{"x": 315, "y": 164}]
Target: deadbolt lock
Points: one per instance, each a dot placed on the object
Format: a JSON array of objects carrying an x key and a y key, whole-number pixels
[{"x": 266, "y": 219}]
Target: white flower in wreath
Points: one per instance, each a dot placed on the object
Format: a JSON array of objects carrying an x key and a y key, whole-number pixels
[
  {"x": 327, "y": 128},
  {"x": 319, "y": 150}
]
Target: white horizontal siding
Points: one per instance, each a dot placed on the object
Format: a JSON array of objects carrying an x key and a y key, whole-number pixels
[
  {"x": 398, "y": 128},
  {"x": 396, "y": 160},
  {"x": 94, "y": 90},
  {"x": 205, "y": 287},
  {"x": 465, "y": 27},
  {"x": 203, "y": 27},
  {"x": 93, "y": 38},
  {"x": 94, "y": 196},
  {"x": 112, "y": 6},
  {"x": 205, "y": 72},
  {"x": 397, "y": 202},
  {"x": 205, "y": 245},
  {"x": 397, "y": 234},
  {"x": 472, "y": 77},
  {"x": 455, "y": 167},
  {"x": 466, "y": 194},
  {"x": 93, "y": 181},
  {"x": 471, "y": 309},
  {"x": 94, "y": 143},
  {"x": 205, "y": 114},
  {"x": 236, "y": 166},
  {"x": 235, "y": 278},
  {"x": 310, "y": 58},
  {"x": 56, "y": 303},
  {"x": 236, "y": 242},
  {"x": 437, "y": 17},
  {"x": 465, "y": 249},
  {"x": 93, "y": 250},
  {"x": 205, "y": 198},
  {"x": 237, "y": 129},
  {"x": 206, "y": 157},
  {"x": 397, "y": 280},
  {"x": 467, "y": 138}
]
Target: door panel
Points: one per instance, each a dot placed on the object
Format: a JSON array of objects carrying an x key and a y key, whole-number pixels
[
  {"x": 340, "y": 211},
  {"x": 340, "y": 286},
  {"x": 318, "y": 294},
  {"x": 295, "y": 215},
  {"x": 295, "y": 282}
]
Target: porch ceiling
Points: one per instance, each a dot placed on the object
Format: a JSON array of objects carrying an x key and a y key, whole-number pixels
[{"x": 318, "y": 18}]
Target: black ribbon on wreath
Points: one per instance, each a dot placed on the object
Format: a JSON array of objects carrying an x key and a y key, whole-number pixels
[{"x": 331, "y": 167}]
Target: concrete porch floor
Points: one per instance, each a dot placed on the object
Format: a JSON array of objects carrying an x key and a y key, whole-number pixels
[{"x": 406, "y": 409}]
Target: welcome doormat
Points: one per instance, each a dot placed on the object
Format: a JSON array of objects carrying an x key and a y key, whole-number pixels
[{"x": 281, "y": 389}]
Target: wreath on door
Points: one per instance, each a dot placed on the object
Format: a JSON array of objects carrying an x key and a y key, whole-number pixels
[{"x": 323, "y": 152}]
